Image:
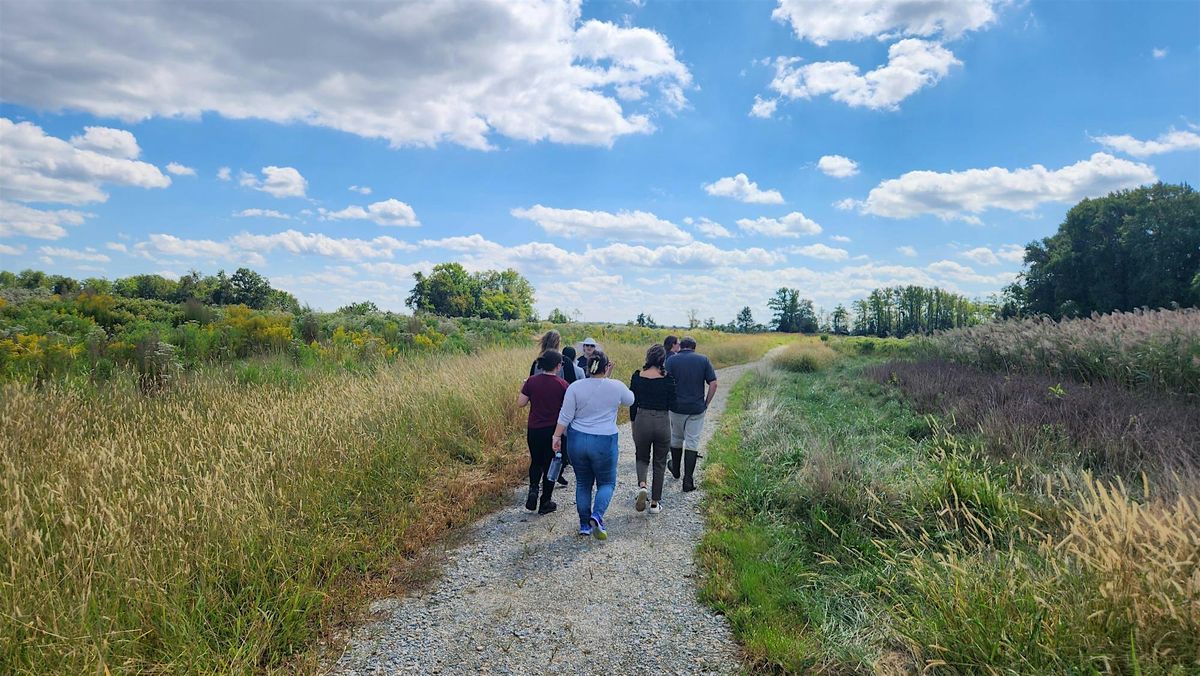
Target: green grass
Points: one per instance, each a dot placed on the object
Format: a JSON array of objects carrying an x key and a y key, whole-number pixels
[{"x": 847, "y": 534}]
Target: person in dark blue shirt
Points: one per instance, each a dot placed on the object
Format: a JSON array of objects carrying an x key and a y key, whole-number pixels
[{"x": 695, "y": 386}]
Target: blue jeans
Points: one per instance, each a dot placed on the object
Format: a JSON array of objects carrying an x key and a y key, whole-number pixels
[{"x": 594, "y": 457}]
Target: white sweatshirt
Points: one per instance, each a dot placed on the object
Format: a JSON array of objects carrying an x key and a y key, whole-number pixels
[{"x": 590, "y": 405}]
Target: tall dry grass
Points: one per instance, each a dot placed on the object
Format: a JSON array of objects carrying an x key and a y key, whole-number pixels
[
  {"x": 220, "y": 525},
  {"x": 1154, "y": 349}
]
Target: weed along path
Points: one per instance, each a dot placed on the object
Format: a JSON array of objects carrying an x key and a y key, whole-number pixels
[{"x": 526, "y": 594}]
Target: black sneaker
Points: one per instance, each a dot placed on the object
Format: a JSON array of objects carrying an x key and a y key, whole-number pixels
[
  {"x": 562, "y": 480},
  {"x": 531, "y": 502},
  {"x": 548, "y": 507}
]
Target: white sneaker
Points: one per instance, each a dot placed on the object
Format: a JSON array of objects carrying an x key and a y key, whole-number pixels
[
  {"x": 655, "y": 507},
  {"x": 640, "y": 504}
]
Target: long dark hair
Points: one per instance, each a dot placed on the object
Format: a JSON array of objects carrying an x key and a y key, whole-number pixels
[
  {"x": 569, "y": 366},
  {"x": 656, "y": 356}
]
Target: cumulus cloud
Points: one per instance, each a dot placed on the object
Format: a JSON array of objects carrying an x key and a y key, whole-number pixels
[
  {"x": 847, "y": 204},
  {"x": 163, "y": 245},
  {"x": 709, "y": 228},
  {"x": 1166, "y": 142},
  {"x": 388, "y": 212},
  {"x": 695, "y": 254},
  {"x": 116, "y": 246},
  {"x": 742, "y": 189},
  {"x": 277, "y": 181},
  {"x": 825, "y": 22},
  {"x": 839, "y": 238},
  {"x": 820, "y": 251},
  {"x": 88, "y": 254},
  {"x": 35, "y": 167},
  {"x": 1159, "y": 52},
  {"x": 963, "y": 273},
  {"x": 907, "y": 250},
  {"x": 794, "y": 224},
  {"x": 412, "y": 73},
  {"x": 223, "y": 174},
  {"x": 837, "y": 166},
  {"x": 912, "y": 65},
  {"x": 638, "y": 226},
  {"x": 20, "y": 220},
  {"x": 261, "y": 213},
  {"x": 180, "y": 170},
  {"x": 11, "y": 250},
  {"x": 763, "y": 108},
  {"x": 1012, "y": 253},
  {"x": 322, "y": 245},
  {"x": 961, "y": 195},
  {"x": 360, "y": 189}
]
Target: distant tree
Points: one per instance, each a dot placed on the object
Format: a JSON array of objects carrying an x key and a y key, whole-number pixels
[
  {"x": 745, "y": 320},
  {"x": 710, "y": 323},
  {"x": 558, "y": 317},
  {"x": 641, "y": 319},
  {"x": 61, "y": 285},
  {"x": 95, "y": 285},
  {"x": 31, "y": 279},
  {"x": 450, "y": 291},
  {"x": 250, "y": 289},
  {"x": 1130, "y": 249},
  {"x": 840, "y": 320},
  {"x": 149, "y": 287},
  {"x": 693, "y": 318},
  {"x": 364, "y": 307}
]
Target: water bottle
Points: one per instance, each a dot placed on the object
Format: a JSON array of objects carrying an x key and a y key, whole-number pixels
[{"x": 555, "y": 467}]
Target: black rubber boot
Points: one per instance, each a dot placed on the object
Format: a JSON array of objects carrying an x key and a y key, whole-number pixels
[
  {"x": 531, "y": 501},
  {"x": 673, "y": 462},
  {"x": 689, "y": 469}
]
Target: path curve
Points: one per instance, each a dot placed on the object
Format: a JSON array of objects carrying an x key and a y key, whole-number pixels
[{"x": 526, "y": 594}]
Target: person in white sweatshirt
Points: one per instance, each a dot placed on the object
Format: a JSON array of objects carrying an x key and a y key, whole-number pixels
[{"x": 589, "y": 418}]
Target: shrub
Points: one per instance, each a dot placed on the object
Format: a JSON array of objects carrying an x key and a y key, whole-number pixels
[{"x": 804, "y": 357}]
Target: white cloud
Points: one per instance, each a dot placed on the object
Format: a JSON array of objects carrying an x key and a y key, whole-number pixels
[
  {"x": 638, "y": 226},
  {"x": 961, "y": 195},
  {"x": 321, "y": 245},
  {"x": 20, "y": 220},
  {"x": 820, "y": 251},
  {"x": 792, "y": 225},
  {"x": 906, "y": 250},
  {"x": 1166, "y": 142},
  {"x": 75, "y": 255},
  {"x": 35, "y": 167},
  {"x": 824, "y": 22},
  {"x": 279, "y": 182},
  {"x": 837, "y": 166},
  {"x": 411, "y": 73},
  {"x": 847, "y": 204},
  {"x": 1159, "y": 52},
  {"x": 839, "y": 238},
  {"x": 711, "y": 229},
  {"x": 116, "y": 246},
  {"x": 11, "y": 250},
  {"x": 912, "y": 65},
  {"x": 360, "y": 189},
  {"x": 1012, "y": 253},
  {"x": 261, "y": 213},
  {"x": 180, "y": 170},
  {"x": 388, "y": 212},
  {"x": 742, "y": 189},
  {"x": 223, "y": 174},
  {"x": 962, "y": 273},
  {"x": 763, "y": 108},
  {"x": 170, "y": 246},
  {"x": 117, "y": 143},
  {"x": 695, "y": 254}
]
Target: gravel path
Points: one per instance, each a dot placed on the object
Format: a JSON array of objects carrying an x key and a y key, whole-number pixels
[{"x": 526, "y": 594}]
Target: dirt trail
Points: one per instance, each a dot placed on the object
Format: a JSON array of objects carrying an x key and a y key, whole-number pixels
[{"x": 527, "y": 594}]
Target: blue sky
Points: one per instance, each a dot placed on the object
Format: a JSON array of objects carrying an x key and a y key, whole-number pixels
[{"x": 626, "y": 157}]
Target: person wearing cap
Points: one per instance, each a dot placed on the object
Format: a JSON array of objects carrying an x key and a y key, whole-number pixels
[
  {"x": 695, "y": 387},
  {"x": 589, "y": 348}
]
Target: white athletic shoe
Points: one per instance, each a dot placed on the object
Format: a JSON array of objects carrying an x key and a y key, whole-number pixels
[
  {"x": 655, "y": 507},
  {"x": 640, "y": 504}
]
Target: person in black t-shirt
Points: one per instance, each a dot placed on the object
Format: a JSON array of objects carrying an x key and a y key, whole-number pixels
[{"x": 654, "y": 396}]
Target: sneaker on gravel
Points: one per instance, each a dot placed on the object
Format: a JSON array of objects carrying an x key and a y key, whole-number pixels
[
  {"x": 655, "y": 507},
  {"x": 548, "y": 507},
  {"x": 640, "y": 503},
  {"x": 585, "y": 530},
  {"x": 598, "y": 529},
  {"x": 531, "y": 500},
  {"x": 562, "y": 480}
]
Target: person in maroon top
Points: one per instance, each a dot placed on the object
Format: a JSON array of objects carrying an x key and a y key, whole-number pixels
[{"x": 543, "y": 394}]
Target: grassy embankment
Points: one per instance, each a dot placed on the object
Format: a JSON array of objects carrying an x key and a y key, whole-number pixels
[
  {"x": 1012, "y": 530},
  {"x": 229, "y": 520}
]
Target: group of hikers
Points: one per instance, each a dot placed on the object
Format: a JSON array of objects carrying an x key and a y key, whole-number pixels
[{"x": 573, "y": 403}]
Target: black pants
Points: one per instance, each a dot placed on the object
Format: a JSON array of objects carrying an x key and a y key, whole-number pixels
[{"x": 541, "y": 452}]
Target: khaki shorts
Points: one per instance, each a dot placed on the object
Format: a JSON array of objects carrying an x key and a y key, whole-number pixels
[{"x": 685, "y": 430}]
